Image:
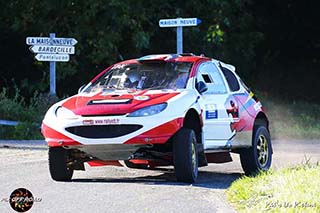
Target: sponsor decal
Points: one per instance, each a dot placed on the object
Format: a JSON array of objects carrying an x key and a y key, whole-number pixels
[
  {"x": 101, "y": 121},
  {"x": 119, "y": 66},
  {"x": 87, "y": 122},
  {"x": 142, "y": 98},
  {"x": 211, "y": 111},
  {"x": 249, "y": 102},
  {"x": 257, "y": 106}
]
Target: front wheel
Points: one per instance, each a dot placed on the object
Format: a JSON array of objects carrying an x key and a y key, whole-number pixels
[
  {"x": 185, "y": 155},
  {"x": 258, "y": 157},
  {"x": 58, "y": 159}
]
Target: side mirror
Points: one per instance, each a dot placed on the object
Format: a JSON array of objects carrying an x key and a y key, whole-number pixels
[
  {"x": 81, "y": 88},
  {"x": 201, "y": 87}
]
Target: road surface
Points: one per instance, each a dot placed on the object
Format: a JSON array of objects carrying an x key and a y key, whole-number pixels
[{"x": 119, "y": 189}]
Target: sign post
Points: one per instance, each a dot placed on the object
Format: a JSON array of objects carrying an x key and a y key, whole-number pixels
[
  {"x": 179, "y": 40},
  {"x": 52, "y": 72},
  {"x": 54, "y": 50},
  {"x": 179, "y": 23}
]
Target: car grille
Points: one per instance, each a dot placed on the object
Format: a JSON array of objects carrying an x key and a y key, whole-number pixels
[{"x": 103, "y": 131}]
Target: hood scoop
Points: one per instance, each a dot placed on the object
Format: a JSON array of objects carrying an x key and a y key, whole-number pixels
[{"x": 109, "y": 101}]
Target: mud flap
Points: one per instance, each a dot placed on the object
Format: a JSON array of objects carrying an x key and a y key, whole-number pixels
[
  {"x": 220, "y": 157},
  {"x": 202, "y": 160}
]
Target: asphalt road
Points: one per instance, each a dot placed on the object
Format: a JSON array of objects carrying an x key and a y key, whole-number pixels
[{"x": 119, "y": 189}]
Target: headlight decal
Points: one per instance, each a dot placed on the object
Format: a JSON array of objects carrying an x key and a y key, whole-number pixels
[
  {"x": 149, "y": 110},
  {"x": 62, "y": 112}
]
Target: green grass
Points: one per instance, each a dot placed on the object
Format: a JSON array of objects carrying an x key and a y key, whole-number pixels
[
  {"x": 287, "y": 190},
  {"x": 291, "y": 119}
]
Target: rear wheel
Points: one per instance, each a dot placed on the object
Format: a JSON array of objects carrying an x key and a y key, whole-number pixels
[
  {"x": 58, "y": 159},
  {"x": 185, "y": 155},
  {"x": 258, "y": 157}
]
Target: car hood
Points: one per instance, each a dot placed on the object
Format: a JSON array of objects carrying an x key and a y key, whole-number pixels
[{"x": 116, "y": 102}]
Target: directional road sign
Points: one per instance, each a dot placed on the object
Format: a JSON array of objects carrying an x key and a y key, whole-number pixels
[
  {"x": 179, "y": 22},
  {"x": 51, "y": 41},
  {"x": 53, "y": 57},
  {"x": 52, "y": 49}
]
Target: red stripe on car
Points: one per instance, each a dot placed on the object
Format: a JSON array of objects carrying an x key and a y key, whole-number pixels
[
  {"x": 55, "y": 138},
  {"x": 159, "y": 134}
]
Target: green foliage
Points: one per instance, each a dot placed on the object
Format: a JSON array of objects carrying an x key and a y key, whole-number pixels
[
  {"x": 29, "y": 115},
  {"x": 273, "y": 44},
  {"x": 287, "y": 190},
  {"x": 108, "y": 31},
  {"x": 13, "y": 108}
]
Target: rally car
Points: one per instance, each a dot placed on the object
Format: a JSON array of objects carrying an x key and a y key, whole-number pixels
[{"x": 159, "y": 110}]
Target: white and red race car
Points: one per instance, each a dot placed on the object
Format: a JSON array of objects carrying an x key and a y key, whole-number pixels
[{"x": 159, "y": 110}]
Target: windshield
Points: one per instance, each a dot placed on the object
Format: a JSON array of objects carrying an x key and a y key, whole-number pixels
[{"x": 147, "y": 75}]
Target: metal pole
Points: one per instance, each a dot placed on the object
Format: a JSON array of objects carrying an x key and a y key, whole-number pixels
[
  {"x": 52, "y": 72},
  {"x": 179, "y": 40}
]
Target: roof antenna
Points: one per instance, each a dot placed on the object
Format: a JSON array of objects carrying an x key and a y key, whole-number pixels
[{"x": 120, "y": 56}]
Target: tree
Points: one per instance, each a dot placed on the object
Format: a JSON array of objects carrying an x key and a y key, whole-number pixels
[{"x": 240, "y": 32}]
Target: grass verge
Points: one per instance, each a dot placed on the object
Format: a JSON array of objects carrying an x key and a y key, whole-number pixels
[
  {"x": 292, "y": 119},
  {"x": 294, "y": 189}
]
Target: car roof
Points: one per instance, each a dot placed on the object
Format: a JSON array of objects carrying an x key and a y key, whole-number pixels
[{"x": 185, "y": 57}]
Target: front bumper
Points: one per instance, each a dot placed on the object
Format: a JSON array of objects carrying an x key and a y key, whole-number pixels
[{"x": 108, "y": 130}]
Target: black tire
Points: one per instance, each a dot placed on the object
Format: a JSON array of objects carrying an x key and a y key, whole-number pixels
[
  {"x": 185, "y": 155},
  {"x": 59, "y": 170},
  {"x": 259, "y": 156},
  {"x": 135, "y": 166}
]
